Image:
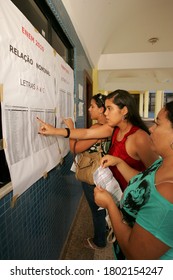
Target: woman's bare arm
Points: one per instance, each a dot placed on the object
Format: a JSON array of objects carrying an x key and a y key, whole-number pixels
[
  {"x": 78, "y": 146},
  {"x": 102, "y": 131},
  {"x": 136, "y": 243}
]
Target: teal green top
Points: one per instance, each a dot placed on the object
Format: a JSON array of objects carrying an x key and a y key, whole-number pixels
[{"x": 143, "y": 204}]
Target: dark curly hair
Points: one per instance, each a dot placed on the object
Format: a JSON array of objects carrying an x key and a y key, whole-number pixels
[{"x": 100, "y": 100}]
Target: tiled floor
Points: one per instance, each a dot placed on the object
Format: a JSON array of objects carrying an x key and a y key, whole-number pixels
[{"x": 83, "y": 228}]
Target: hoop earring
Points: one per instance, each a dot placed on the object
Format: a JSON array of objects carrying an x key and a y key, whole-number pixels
[{"x": 124, "y": 117}]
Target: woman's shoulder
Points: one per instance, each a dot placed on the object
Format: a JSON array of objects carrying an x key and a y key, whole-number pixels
[
  {"x": 144, "y": 147},
  {"x": 141, "y": 131},
  {"x": 141, "y": 135}
]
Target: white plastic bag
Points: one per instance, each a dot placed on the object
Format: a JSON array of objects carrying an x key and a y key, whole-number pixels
[{"x": 103, "y": 177}]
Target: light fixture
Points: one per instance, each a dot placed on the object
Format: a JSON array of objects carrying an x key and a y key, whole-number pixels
[{"x": 153, "y": 40}]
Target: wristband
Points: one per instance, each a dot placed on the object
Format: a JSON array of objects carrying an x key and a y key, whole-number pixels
[{"x": 68, "y": 132}]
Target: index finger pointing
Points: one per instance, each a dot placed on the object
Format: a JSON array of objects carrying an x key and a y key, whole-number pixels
[{"x": 40, "y": 120}]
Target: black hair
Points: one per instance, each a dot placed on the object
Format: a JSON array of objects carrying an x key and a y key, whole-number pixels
[
  {"x": 123, "y": 98},
  {"x": 169, "y": 110},
  {"x": 100, "y": 100}
]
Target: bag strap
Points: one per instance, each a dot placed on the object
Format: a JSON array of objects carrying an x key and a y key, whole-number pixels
[
  {"x": 74, "y": 152},
  {"x": 164, "y": 182},
  {"x": 111, "y": 238}
]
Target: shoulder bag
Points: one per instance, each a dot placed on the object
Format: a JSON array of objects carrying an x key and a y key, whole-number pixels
[{"x": 87, "y": 164}]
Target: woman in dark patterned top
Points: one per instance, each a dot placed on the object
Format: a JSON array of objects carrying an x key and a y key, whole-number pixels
[{"x": 96, "y": 111}]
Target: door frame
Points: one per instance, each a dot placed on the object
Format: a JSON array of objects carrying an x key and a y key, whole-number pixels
[{"x": 88, "y": 93}]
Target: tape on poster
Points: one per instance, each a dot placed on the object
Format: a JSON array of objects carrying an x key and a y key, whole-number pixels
[
  {"x": 14, "y": 200},
  {"x": 45, "y": 174}
]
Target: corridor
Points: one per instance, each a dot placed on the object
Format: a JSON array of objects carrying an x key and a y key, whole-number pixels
[{"x": 81, "y": 229}]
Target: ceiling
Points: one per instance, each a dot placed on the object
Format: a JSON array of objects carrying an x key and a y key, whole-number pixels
[{"x": 115, "y": 34}]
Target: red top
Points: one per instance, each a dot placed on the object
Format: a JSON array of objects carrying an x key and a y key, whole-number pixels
[{"x": 118, "y": 149}]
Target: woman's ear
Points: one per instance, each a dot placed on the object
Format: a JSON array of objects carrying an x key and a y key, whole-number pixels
[
  {"x": 124, "y": 111},
  {"x": 101, "y": 110}
]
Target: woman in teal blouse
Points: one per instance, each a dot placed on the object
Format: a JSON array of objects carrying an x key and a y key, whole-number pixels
[{"x": 143, "y": 224}]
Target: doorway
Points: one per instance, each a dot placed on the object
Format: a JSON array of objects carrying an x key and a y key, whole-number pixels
[{"x": 88, "y": 88}]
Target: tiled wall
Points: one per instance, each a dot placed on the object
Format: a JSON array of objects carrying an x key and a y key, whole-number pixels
[{"x": 36, "y": 227}]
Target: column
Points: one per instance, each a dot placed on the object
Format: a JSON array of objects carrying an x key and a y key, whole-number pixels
[
  {"x": 146, "y": 103},
  {"x": 95, "y": 81},
  {"x": 141, "y": 104},
  {"x": 159, "y": 99}
]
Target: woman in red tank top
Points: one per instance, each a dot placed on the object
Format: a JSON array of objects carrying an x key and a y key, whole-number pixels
[
  {"x": 130, "y": 139},
  {"x": 118, "y": 149}
]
